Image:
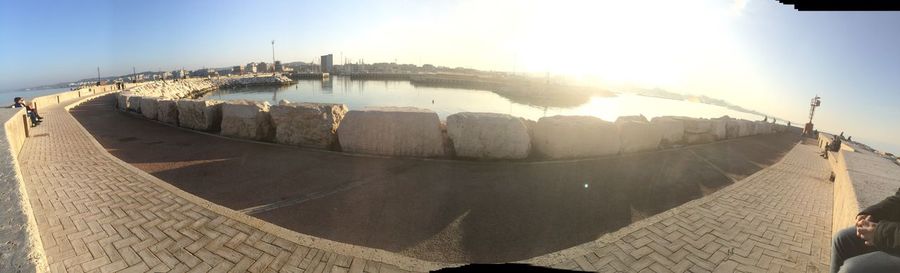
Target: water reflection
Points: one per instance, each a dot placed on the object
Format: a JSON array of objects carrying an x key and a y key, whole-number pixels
[{"x": 358, "y": 94}]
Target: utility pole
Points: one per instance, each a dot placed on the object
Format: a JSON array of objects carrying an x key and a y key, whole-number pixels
[
  {"x": 98, "y": 75},
  {"x": 273, "y": 58},
  {"x": 133, "y": 75}
]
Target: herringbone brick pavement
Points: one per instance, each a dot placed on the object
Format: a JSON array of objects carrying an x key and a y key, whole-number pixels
[
  {"x": 97, "y": 216},
  {"x": 777, "y": 220}
]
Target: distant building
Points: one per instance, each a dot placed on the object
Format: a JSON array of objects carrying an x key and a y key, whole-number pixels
[
  {"x": 237, "y": 70},
  {"x": 181, "y": 74},
  {"x": 327, "y": 63},
  {"x": 278, "y": 66},
  {"x": 262, "y": 67},
  {"x": 250, "y": 68}
]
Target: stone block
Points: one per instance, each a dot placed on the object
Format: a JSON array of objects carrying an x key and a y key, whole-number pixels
[
  {"x": 733, "y": 128},
  {"x": 134, "y": 103},
  {"x": 122, "y": 101},
  {"x": 167, "y": 111},
  {"x": 694, "y": 139},
  {"x": 307, "y": 124},
  {"x": 720, "y": 127},
  {"x": 393, "y": 131},
  {"x": 575, "y": 136},
  {"x": 247, "y": 119},
  {"x": 637, "y": 135},
  {"x": 747, "y": 128},
  {"x": 488, "y": 135},
  {"x": 671, "y": 130},
  {"x": 204, "y": 115},
  {"x": 149, "y": 107},
  {"x": 696, "y": 125}
]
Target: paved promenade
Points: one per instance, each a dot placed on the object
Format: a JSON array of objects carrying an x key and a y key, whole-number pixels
[
  {"x": 96, "y": 215},
  {"x": 777, "y": 220}
]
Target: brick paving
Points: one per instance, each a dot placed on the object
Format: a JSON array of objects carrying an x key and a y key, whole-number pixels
[
  {"x": 95, "y": 215},
  {"x": 777, "y": 220}
]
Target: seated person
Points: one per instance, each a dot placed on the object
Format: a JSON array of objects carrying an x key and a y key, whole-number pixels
[
  {"x": 32, "y": 113},
  {"x": 834, "y": 146},
  {"x": 873, "y": 245}
]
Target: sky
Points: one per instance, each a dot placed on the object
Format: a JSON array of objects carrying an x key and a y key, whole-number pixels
[{"x": 758, "y": 54}]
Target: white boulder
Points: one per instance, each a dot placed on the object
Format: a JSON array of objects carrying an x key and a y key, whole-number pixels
[
  {"x": 720, "y": 127},
  {"x": 637, "y": 135},
  {"x": 575, "y": 136},
  {"x": 167, "y": 111},
  {"x": 733, "y": 128},
  {"x": 149, "y": 107},
  {"x": 134, "y": 103},
  {"x": 122, "y": 101},
  {"x": 488, "y": 135},
  {"x": 394, "y": 131},
  {"x": 247, "y": 119},
  {"x": 696, "y": 125},
  {"x": 204, "y": 115},
  {"x": 307, "y": 124},
  {"x": 671, "y": 130}
]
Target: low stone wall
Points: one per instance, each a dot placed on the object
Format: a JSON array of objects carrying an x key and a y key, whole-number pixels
[
  {"x": 20, "y": 242},
  {"x": 21, "y": 249},
  {"x": 861, "y": 178},
  {"x": 403, "y": 131}
]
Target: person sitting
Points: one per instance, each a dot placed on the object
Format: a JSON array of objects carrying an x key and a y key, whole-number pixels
[
  {"x": 873, "y": 245},
  {"x": 834, "y": 146},
  {"x": 32, "y": 113}
]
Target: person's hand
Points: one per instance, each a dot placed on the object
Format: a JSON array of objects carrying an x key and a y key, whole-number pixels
[{"x": 865, "y": 229}]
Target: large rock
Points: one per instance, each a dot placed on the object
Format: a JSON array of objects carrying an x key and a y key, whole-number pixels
[
  {"x": 149, "y": 107},
  {"x": 134, "y": 103},
  {"x": 488, "y": 135},
  {"x": 307, "y": 124},
  {"x": 720, "y": 127},
  {"x": 747, "y": 128},
  {"x": 167, "y": 111},
  {"x": 247, "y": 120},
  {"x": 122, "y": 101},
  {"x": 637, "y": 135},
  {"x": 693, "y": 139},
  {"x": 761, "y": 128},
  {"x": 671, "y": 130},
  {"x": 395, "y": 131},
  {"x": 575, "y": 136},
  {"x": 697, "y": 125},
  {"x": 733, "y": 128},
  {"x": 204, "y": 115}
]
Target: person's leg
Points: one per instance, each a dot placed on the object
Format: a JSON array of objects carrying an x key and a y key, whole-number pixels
[
  {"x": 34, "y": 120},
  {"x": 877, "y": 261},
  {"x": 846, "y": 245}
]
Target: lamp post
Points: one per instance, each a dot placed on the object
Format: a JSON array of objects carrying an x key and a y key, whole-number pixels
[{"x": 273, "y": 57}]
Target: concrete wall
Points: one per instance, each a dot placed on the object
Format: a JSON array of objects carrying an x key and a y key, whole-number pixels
[
  {"x": 861, "y": 178},
  {"x": 20, "y": 244}
]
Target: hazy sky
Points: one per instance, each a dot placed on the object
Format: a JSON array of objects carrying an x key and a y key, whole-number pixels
[{"x": 757, "y": 54}]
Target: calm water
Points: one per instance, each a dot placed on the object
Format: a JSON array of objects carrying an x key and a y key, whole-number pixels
[{"x": 447, "y": 101}]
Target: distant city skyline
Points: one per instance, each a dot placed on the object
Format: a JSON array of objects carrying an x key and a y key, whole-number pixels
[{"x": 757, "y": 54}]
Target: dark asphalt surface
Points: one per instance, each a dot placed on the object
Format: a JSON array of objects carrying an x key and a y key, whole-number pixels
[{"x": 440, "y": 210}]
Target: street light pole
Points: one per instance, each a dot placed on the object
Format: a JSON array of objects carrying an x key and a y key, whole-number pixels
[
  {"x": 273, "y": 58},
  {"x": 98, "y": 75}
]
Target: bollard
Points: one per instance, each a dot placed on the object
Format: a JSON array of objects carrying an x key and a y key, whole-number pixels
[
  {"x": 25, "y": 122},
  {"x": 57, "y": 99}
]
